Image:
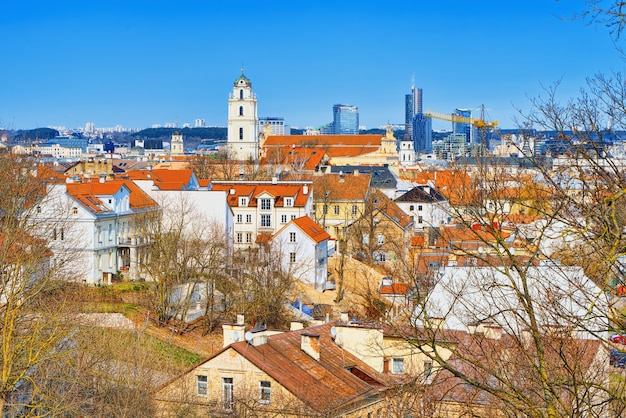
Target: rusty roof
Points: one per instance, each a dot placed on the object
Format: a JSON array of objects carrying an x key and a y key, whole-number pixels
[{"x": 337, "y": 379}]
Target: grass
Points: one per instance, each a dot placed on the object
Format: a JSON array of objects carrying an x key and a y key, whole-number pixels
[{"x": 175, "y": 354}]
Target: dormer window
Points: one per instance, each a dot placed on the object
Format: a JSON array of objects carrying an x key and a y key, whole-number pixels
[
  {"x": 289, "y": 202},
  {"x": 265, "y": 204},
  {"x": 243, "y": 201}
]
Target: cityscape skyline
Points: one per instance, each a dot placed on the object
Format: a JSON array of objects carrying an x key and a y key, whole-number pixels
[{"x": 143, "y": 63}]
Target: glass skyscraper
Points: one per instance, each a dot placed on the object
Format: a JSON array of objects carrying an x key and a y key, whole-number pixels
[
  {"x": 345, "y": 119},
  {"x": 422, "y": 133},
  {"x": 463, "y": 128}
]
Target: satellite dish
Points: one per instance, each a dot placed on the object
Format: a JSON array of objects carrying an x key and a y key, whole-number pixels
[
  {"x": 339, "y": 340},
  {"x": 248, "y": 337},
  {"x": 236, "y": 336},
  {"x": 333, "y": 332}
]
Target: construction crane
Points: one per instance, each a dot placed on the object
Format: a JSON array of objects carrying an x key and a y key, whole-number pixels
[{"x": 478, "y": 123}]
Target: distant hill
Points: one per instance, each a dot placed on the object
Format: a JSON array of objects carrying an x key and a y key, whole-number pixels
[
  {"x": 34, "y": 134},
  {"x": 189, "y": 133}
]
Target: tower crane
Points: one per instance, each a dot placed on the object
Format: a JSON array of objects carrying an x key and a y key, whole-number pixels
[{"x": 478, "y": 123}]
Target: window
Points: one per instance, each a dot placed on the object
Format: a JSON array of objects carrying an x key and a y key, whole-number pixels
[
  {"x": 239, "y": 237},
  {"x": 313, "y": 207},
  {"x": 288, "y": 202},
  {"x": 419, "y": 207},
  {"x": 381, "y": 239},
  {"x": 420, "y": 219},
  {"x": 110, "y": 232},
  {"x": 265, "y": 389},
  {"x": 243, "y": 201},
  {"x": 336, "y": 209},
  {"x": 202, "y": 386},
  {"x": 62, "y": 234},
  {"x": 292, "y": 237},
  {"x": 227, "y": 393},
  {"x": 397, "y": 366},
  {"x": 248, "y": 237},
  {"x": 293, "y": 217},
  {"x": 283, "y": 219},
  {"x": 240, "y": 110},
  {"x": 240, "y": 133},
  {"x": 239, "y": 218},
  {"x": 38, "y": 209},
  {"x": 241, "y": 93},
  {"x": 428, "y": 369},
  {"x": 325, "y": 209},
  {"x": 292, "y": 258},
  {"x": 266, "y": 204},
  {"x": 411, "y": 208},
  {"x": 248, "y": 218},
  {"x": 266, "y": 221},
  {"x": 75, "y": 210},
  {"x": 355, "y": 210}
]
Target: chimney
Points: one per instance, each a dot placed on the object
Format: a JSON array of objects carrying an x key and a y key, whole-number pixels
[
  {"x": 234, "y": 333},
  {"x": 310, "y": 344},
  {"x": 305, "y": 189},
  {"x": 232, "y": 191},
  {"x": 343, "y": 317},
  {"x": 356, "y": 172},
  {"x": 256, "y": 337},
  {"x": 493, "y": 332},
  {"x": 296, "y": 325},
  {"x": 274, "y": 180}
]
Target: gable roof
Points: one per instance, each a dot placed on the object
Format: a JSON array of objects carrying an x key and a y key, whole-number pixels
[
  {"x": 421, "y": 194},
  {"x": 87, "y": 195},
  {"x": 310, "y": 228},
  {"x": 337, "y": 379},
  {"x": 341, "y": 187},
  {"x": 387, "y": 207},
  {"x": 324, "y": 141},
  {"x": 165, "y": 179},
  {"x": 252, "y": 191}
]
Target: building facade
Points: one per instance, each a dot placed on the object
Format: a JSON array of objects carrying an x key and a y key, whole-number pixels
[
  {"x": 243, "y": 122},
  {"x": 345, "y": 119}
]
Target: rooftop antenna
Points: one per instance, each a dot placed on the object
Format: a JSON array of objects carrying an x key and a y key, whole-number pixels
[
  {"x": 241, "y": 67},
  {"x": 413, "y": 82}
]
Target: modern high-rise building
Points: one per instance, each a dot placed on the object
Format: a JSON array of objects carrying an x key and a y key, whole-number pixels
[
  {"x": 463, "y": 128},
  {"x": 345, "y": 119},
  {"x": 199, "y": 123},
  {"x": 412, "y": 107},
  {"x": 422, "y": 133}
]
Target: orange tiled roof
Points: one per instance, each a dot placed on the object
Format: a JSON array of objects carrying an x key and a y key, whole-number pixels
[
  {"x": 324, "y": 141},
  {"x": 87, "y": 194},
  {"x": 390, "y": 209},
  {"x": 296, "y": 158},
  {"x": 394, "y": 289},
  {"x": 163, "y": 179},
  {"x": 252, "y": 191},
  {"x": 311, "y": 228},
  {"x": 338, "y": 187}
]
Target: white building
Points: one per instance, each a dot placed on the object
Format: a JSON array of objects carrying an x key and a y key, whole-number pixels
[
  {"x": 263, "y": 207},
  {"x": 243, "y": 134},
  {"x": 98, "y": 223},
  {"x": 426, "y": 206},
  {"x": 303, "y": 247}
]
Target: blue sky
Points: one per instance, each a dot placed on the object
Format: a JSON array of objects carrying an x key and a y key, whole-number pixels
[{"x": 138, "y": 63}]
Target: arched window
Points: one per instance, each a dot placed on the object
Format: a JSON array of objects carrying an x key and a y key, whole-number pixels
[
  {"x": 240, "y": 133},
  {"x": 241, "y": 93},
  {"x": 240, "y": 110}
]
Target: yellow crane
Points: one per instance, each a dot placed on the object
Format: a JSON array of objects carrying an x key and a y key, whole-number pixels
[{"x": 478, "y": 123}]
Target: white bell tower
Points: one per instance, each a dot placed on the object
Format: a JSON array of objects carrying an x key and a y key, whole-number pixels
[{"x": 243, "y": 136}]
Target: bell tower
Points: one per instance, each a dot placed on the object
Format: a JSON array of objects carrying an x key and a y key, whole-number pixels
[{"x": 243, "y": 136}]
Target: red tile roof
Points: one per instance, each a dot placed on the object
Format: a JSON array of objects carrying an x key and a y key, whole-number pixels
[
  {"x": 324, "y": 141},
  {"x": 87, "y": 194},
  {"x": 335, "y": 187},
  {"x": 163, "y": 179},
  {"x": 311, "y": 228},
  {"x": 394, "y": 289},
  {"x": 252, "y": 191}
]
